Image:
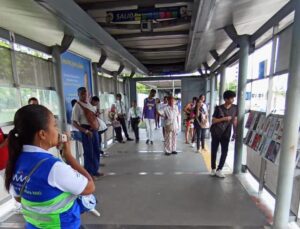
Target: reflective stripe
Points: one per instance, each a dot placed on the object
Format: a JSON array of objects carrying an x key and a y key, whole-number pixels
[{"x": 56, "y": 208}]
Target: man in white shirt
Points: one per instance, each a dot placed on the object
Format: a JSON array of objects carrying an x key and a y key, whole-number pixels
[
  {"x": 121, "y": 112},
  {"x": 90, "y": 137},
  {"x": 134, "y": 116}
]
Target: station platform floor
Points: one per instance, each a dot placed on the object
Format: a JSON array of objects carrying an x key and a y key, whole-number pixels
[{"x": 144, "y": 189}]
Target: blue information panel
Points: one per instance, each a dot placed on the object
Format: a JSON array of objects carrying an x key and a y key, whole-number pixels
[{"x": 76, "y": 72}]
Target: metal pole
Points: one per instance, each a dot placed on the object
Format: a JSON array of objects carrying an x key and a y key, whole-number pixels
[
  {"x": 263, "y": 166},
  {"x": 133, "y": 95},
  {"x": 290, "y": 130},
  {"x": 173, "y": 84},
  {"x": 59, "y": 87},
  {"x": 115, "y": 79},
  {"x": 212, "y": 96},
  {"x": 222, "y": 84},
  {"x": 242, "y": 82}
]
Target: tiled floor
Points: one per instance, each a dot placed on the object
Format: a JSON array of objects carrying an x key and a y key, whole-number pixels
[{"x": 144, "y": 188}]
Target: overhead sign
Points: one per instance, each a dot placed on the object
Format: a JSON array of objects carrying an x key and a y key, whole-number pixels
[
  {"x": 147, "y": 14},
  {"x": 76, "y": 73}
]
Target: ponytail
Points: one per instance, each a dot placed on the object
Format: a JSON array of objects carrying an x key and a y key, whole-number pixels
[
  {"x": 14, "y": 151},
  {"x": 28, "y": 121}
]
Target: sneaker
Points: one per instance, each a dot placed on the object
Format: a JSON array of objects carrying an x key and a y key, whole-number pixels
[
  {"x": 167, "y": 154},
  {"x": 213, "y": 172},
  {"x": 198, "y": 151},
  {"x": 129, "y": 139},
  {"x": 193, "y": 145},
  {"x": 220, "y": 174},
  {"x": 174, "y": 152},
  {"x": 147, "y": 142}
]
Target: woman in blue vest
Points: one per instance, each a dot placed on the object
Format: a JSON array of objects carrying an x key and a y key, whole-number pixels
[{"x": 49, "y": 198}]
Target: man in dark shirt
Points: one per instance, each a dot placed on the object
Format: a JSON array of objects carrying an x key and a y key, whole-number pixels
[{"x": 224, "y": 117}]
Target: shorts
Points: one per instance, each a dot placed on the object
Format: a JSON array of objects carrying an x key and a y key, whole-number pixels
[{"x": 189, "y": 123}]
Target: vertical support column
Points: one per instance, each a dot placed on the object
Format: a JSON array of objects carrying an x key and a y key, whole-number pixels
[
  {"x": 173, "y": 91},
  {"x": 242, "y": 82},
  {"x": 222, "y": 84},
  {"x": 290, "y": 130},
  {"x": 95, "y": 80},
  {"x": 133, "y": 95},
  {"x": 59, "y": 87},
  {"x": 115, "y": 83},
  {"x": 212, "y": 96}
]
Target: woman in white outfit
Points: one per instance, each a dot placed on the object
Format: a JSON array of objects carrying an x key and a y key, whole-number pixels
[{"x": 170, "y": 114}]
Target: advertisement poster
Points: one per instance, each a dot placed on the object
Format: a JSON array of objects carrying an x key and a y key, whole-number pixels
[{"x": 76, "y": 72}]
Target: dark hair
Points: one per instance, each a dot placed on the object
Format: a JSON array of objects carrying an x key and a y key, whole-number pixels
[
  {"x": 28, "y": 121},
  {"x": 119, "y": 95},
  {"x": 229, "y": 94},
  {"x": 73, "y": 102},
  {"x": 202, "y": 96},
  {"x": 95, "y": 98},
  {"x": 153, "y": 91},
  {"x": 81, "y": 89},
  {"x": 33, "y": 99},
  {"x": 195, "y": 99}
]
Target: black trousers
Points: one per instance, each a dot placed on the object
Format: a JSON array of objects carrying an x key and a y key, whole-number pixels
[
  {"x": 118, "y": 131},
  {"x": 214, "y": 150},
  {"x": 135, "y": 127},
  {"x": 200, "y": 136},
  {"x": 123, "y": 123}
]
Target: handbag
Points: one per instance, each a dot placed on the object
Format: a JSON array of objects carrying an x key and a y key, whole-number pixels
[
  {"x": 218, "y": 129},
  {"x": 142, "y": 125},
  {"x": 91, "y": 117}
]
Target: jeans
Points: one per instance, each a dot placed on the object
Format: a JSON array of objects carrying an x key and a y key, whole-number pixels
[
  {"x": 91, "y": 151},
  {"x": 214, "y": 150},
  {"x": 200, "y": 133},
  {"x": 135, "y": 127}
]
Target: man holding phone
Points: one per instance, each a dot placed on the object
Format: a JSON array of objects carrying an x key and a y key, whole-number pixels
[{"x": 224, "y": 118}]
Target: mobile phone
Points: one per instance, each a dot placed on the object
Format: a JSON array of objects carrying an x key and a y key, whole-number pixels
[{"x": 62, "y": 138}]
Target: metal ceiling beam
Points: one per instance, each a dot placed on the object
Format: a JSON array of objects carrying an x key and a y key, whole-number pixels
[
  {"x": 232, "y": 33},
  {"x": 80, "y": 22},
  {"x": 274, "y": 20},
  {"x": 102, "y": 59},
  {"x": 4, "y": 33},
  {"x": 201, "y": 21},
  {"x": 120, "y": 70},
  {"x": 167, "y": 49},
  {"x": 127, "y": 3},
  {"x": 224, "y": 55},
  {"x": 151, "y": 35},
  {"x": 162, "y": 61},
  {"x": 215, "y": 55},
  {"x": 66, "y": 42}
]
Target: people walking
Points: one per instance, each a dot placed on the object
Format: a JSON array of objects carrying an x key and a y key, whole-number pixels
[
  {"x": 224, "y": 118},
  {"x": 149, "y": 115}
]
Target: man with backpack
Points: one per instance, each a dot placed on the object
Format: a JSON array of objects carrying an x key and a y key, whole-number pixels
[{"x": 224, "y": 118}]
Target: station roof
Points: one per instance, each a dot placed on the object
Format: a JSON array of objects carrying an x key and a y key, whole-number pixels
[{"x": 148, "y": 37}]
